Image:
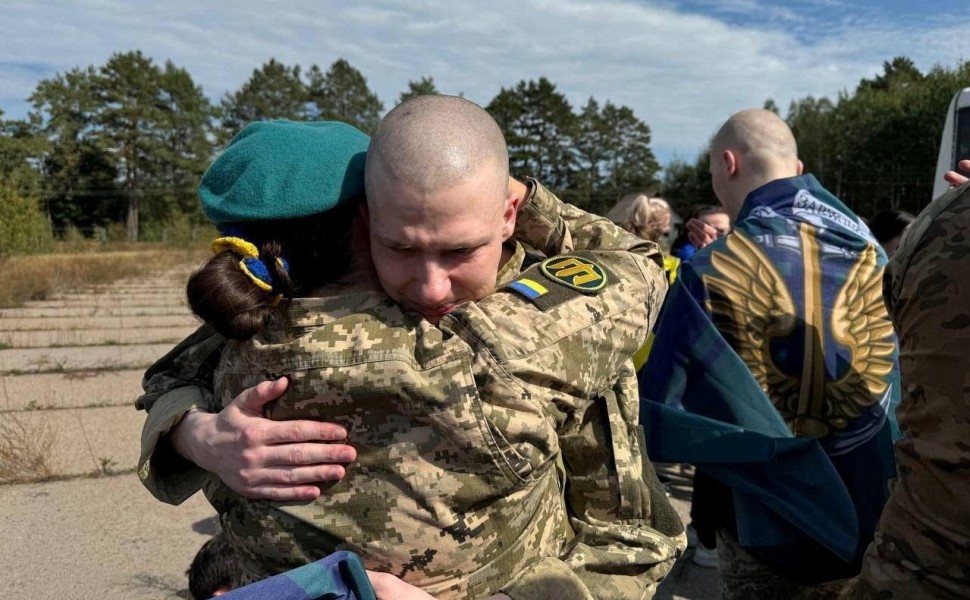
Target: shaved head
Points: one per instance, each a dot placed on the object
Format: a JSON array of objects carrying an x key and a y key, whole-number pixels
[
  {"x": 434, "y": 141},
  {"x": 760, "y": 136},
  {"x": 752, "y": 148}
]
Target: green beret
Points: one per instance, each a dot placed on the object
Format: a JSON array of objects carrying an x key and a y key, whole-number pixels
[{"x": 284, "y": 170}]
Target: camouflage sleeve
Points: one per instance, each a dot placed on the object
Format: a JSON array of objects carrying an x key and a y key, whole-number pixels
[
  {"x": 575, "y": 361},
  {"x": 922, "y": 543},
  {"x": 553, "y": 227},
  {"x": 177, "y": 382}
]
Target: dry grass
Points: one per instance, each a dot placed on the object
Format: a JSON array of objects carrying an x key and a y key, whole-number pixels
[
  {"x": 26, "y": 444},
  {"x": 25, "y": 450},
  {"x": 36, "y": 277}
]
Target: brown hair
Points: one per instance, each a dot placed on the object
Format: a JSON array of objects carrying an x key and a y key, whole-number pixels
[{"x": 318, "y": 250}]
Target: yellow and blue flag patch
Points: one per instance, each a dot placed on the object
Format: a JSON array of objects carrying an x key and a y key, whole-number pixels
[
  {"x": 558, "y": 279},
  {"x": 529, "y": 288}
]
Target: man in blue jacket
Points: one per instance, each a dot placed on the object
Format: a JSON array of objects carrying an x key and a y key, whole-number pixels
[{"x": 776, "y": 340}]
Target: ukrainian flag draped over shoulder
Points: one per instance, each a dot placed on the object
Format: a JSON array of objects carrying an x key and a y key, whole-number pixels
[
  {"x": 781, "y": 484},
  {"x": 779, "y": 329}
]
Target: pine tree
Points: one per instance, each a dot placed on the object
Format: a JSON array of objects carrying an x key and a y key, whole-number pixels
[
  {"x": 538, "y": 123},
  {"x": 78, "y": 171},
  {"x": 274, "y": 91},
  {"x": 20, "y": 142},
  {"x": 341, "y": 94},
  {"x": 131, "y": 110},
  {"x": 185, "y": 127},
  {"x": 629, "y": 163},
  {"x": 423, "y": 87},
  {"x": 590, "y": 144}
]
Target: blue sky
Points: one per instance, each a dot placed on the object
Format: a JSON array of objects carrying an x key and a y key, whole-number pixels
[{"x": 682, "y": 65}]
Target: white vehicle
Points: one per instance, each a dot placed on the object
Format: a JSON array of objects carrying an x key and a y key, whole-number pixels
[{"x": 955, "y": 145}]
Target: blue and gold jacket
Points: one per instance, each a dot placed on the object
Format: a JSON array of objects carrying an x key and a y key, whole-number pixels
[{"x": 776, "y": 341}]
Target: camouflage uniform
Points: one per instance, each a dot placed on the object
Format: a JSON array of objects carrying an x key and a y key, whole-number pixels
[
  {"x": 496, "y": 451},
  {"x": 922, "y": 544}
]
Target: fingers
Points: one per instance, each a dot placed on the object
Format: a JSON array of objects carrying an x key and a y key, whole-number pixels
[
  {"x": 290, "y": 477},
  {"x": 290, "y": 455},
  {"x": 954, "y": 178},
  {"x": 275, "y": 493},
  {"x": 253, "y": 399},
  {"x": 698, "y": 238},
  {"x": 700, "y": 234},
  {"x": 290, "y": 472},
  {"x": 293, "y": 432},
  {"x": 383, "y": 587}
]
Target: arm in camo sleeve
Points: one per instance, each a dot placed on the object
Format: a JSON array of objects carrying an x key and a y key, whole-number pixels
[
  {"x": 554, "y": 227},
  {"x": 922, "y": 543},
  {"x": 575, "y": 363},
  {"x": 177, "y": 382}
]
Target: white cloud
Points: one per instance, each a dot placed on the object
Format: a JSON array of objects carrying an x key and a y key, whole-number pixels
[{"x": 683, "y": 73}]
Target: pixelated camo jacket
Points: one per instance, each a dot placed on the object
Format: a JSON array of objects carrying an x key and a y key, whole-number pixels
[{"x": 457, "y": 428}]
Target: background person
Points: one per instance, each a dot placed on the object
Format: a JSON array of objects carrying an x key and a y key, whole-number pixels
[
  {"x": 888, "y": 226},
  {"x": 922, "y": 544},
  {"x": 648, "y": 218},
  {"x": 713, "y": 218},
  {"x": 642, "y": 215},
  {"x": 792, "y": 296},
  {"x": 212, "y": 569}
]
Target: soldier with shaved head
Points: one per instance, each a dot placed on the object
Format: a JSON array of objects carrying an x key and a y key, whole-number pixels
[
  {"x": 792, "y": 295},
  {"x": 489, "y": 394},
  {"x": 440, "y": 205}
]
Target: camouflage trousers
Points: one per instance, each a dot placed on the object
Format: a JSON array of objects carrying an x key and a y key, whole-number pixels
[{"x": 743, "y": 577}]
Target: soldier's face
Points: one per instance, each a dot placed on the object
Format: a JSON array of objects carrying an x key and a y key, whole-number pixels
[{"x": 436, "y": 250}]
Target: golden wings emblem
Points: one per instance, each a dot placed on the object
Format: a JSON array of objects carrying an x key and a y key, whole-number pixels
[{"x": 752, "y": 305}]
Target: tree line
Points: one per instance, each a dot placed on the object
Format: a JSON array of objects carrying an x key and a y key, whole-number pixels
[
  {"x": 874, "y": 147},
  {"x": 127, "y": 141}
]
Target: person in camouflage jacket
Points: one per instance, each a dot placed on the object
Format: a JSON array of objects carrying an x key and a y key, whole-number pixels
[{"x": 922, "y": 543}]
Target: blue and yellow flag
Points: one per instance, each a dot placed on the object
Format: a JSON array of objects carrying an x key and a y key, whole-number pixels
[
  {"x": 776, "y": 342},
  {"x": 339, "y": 576}
]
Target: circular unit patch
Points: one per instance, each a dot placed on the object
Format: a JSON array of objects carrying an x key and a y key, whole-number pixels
[{"x": 574, "y": 272}]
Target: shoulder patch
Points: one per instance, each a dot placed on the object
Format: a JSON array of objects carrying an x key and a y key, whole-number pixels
[
  {"x": 560, "y": 279},
  {"x": 576, "y": 273}
]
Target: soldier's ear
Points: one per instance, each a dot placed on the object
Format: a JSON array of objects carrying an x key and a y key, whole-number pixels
[
  {"x": 801, "y": 167},
  {"x": 730, "y": 162},
  {"x": 516, "y": 195}
]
